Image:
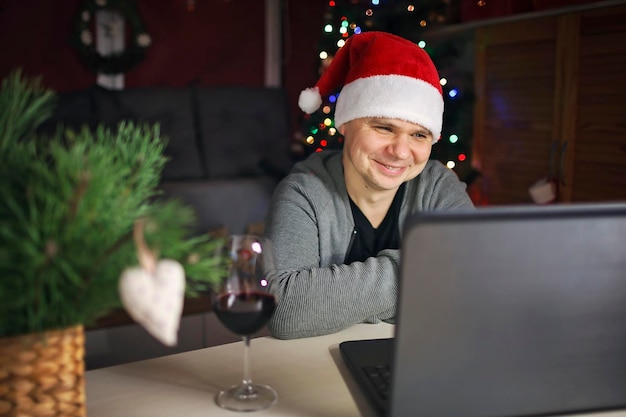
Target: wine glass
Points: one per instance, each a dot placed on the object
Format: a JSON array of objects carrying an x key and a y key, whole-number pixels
[{"x": 243, "y": 303}]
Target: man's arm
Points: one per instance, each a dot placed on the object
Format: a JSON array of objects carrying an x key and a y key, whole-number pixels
[{"x": 316, "y": 300}]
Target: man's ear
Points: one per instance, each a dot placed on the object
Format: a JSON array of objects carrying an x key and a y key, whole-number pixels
[{"x": 342, "y": 129}]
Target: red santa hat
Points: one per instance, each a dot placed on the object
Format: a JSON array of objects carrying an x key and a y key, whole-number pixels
[{"x": 380, "y": 75}]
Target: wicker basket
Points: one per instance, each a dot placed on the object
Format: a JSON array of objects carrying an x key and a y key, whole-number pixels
[{"x": 43, "y": 374}]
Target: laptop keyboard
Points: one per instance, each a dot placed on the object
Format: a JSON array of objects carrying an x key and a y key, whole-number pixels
[{"x": 380, "y": 377}]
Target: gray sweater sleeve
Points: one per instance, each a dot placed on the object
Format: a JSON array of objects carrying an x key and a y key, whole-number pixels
[{"x": 312, "y": 299}]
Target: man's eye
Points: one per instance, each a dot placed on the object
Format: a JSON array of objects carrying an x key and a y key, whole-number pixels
[{"x": 383, "y": 128}]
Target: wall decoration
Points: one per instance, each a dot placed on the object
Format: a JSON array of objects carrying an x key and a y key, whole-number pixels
[{"x": 83, "y": 37}]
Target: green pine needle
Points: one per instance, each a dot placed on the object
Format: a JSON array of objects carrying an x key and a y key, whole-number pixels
[{"x": 68, "y": 204}]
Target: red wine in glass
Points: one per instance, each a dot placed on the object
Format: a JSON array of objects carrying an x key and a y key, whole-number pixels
[
  {"x": 243, "y": 303},
  {"x": 244, "y": 313}
]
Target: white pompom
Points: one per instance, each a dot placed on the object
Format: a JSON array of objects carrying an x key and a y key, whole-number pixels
[{"x": 310, "y": 100}]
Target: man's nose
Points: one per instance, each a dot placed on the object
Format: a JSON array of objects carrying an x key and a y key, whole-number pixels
[{"x": 399, "y": 147}]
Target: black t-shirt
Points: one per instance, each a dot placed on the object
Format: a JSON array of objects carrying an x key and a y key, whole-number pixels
[{"x": 367, "y": 241}]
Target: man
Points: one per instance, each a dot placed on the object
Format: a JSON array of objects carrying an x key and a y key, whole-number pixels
[{"x": 336, "y": 219}]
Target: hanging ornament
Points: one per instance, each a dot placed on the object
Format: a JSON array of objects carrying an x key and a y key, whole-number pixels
[{"x": 153, "y": 293}]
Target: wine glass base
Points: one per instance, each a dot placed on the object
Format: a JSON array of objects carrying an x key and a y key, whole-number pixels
[{"x": 251, "y": 397}]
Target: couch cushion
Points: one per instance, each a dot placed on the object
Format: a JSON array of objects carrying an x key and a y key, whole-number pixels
[
  {"x": 243, "y": 130},
  {"x": 73, "y": 110},
  {"x": 172, "y": 108}
]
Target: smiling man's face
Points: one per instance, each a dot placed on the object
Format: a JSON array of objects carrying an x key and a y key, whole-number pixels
[{"x": 380, "y": 154}]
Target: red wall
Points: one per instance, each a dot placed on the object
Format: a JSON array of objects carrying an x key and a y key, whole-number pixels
[{"x": 220, "y": 42}]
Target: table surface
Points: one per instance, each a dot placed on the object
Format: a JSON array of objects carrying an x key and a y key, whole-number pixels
[{"x": 308, "y": 374}]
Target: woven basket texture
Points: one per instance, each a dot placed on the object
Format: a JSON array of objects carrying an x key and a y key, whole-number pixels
[{"x": 43, "y": 374}]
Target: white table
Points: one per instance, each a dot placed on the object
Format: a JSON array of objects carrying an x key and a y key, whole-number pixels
[{"x": 308, "y": 374}]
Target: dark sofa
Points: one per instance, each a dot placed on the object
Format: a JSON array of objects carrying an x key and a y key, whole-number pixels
[{"x": 228, "y": 146}]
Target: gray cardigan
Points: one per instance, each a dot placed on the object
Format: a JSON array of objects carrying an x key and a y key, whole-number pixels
[{"x": 310, "y": 225}]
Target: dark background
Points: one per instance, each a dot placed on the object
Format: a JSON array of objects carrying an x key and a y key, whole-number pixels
[{"x": 219, "y": 42}]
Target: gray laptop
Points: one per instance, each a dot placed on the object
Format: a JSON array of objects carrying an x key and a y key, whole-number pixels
[{"x": 505, "y": 311}]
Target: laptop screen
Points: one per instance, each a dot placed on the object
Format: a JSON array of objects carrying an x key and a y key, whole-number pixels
[{"x": 511, "y": 311}]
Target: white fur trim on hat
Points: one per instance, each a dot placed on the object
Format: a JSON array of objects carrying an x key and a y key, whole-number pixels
[
  {"x": 310, "y": 100},
  {"x": 391, "y": 96}
]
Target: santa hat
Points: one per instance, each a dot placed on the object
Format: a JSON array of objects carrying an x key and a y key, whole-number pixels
[{"x": 380, "y": 75}]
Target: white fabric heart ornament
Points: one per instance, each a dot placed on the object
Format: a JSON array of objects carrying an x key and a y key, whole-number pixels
[{"x": 155, "y": 299}]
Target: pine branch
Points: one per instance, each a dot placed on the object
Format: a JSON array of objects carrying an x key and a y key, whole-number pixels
[{"x": 67, "y": 206}]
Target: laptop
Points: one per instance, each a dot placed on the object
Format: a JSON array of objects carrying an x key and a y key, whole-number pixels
[{"x": 504, "y": 311}]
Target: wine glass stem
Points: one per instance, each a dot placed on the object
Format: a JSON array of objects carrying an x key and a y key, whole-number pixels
[{"x": 247, "y": 379}]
